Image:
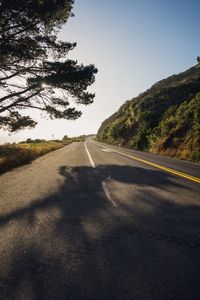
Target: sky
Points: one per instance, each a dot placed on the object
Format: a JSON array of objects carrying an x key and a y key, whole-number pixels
[{"x": 133, "y": 43}]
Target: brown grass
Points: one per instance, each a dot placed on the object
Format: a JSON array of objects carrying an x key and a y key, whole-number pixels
[{"x": 18, "y": 154}]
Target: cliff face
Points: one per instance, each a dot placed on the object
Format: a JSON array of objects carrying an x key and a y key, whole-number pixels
[{"x": 165, "y": 119}]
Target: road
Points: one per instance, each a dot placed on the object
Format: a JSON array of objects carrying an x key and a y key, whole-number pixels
[{"x": 88, "y": 222}]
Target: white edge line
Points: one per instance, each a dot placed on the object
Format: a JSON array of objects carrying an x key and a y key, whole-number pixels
[
  {"x": 89, "y": 156},
  {"x": 106, "y": 191}
]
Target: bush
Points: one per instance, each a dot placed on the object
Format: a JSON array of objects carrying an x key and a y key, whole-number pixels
[{"x": 18, "y": 154}]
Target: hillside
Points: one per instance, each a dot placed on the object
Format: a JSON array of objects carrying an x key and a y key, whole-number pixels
[{"x": 165, "y": 119}]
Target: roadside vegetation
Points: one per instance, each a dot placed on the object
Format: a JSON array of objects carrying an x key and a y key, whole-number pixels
[
  {"x": 164, "y": 120},
  {"x": 80, "y": 138},
  {"x": 14, "y": 155}
]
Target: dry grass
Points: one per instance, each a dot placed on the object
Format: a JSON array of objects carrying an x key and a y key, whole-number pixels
[{"x": 18, "y": 154}]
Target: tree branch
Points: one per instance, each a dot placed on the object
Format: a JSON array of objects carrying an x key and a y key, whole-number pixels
[
  {"x": 31, "y": 106},
  {"x": 16, "y": 94},
  {"x": 21, "y": 31},
  {"x": 13, "y": 75},
  {"x": 18, "y": 101}
]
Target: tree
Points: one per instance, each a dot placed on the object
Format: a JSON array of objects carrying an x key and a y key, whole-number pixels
[
  {"x": 65, "y": 137},
  {"x": 34, "y": 71},
  {"x": 198, "y": 59}
]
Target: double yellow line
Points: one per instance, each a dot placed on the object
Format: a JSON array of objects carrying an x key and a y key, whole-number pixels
[{"x": 166, "y": 169}]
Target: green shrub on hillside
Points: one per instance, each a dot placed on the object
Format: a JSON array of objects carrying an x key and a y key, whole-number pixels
[{"x": 164, "y": 119}]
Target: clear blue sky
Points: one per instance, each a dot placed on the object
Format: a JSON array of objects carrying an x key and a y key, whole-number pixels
[{"x": 133, "y": 43}]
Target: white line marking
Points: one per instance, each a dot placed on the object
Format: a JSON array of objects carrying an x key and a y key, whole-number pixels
[
  {"x": 89, "y": 156},
  {"x": 106, "y": 191},
  {"x": 104, "y": 185},
  {"x": 106, "y": 150}
]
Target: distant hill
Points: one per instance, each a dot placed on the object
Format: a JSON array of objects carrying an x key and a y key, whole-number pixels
[{"x": 165, "y": 119}]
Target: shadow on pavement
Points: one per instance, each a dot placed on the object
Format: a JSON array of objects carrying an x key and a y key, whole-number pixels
[{"x": 75, "y": 245}]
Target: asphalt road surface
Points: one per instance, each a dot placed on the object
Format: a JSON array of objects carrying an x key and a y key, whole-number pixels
[{"x": 93, "y": 221}]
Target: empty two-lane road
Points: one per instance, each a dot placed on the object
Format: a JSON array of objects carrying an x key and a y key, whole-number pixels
[{"x": 94, "y": 221}]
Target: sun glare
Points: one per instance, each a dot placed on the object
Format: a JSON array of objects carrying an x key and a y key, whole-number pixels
[{"x": 43, "y": 85}]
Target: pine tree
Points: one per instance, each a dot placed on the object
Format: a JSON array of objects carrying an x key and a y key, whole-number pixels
[{"x": 34, "y": 70}]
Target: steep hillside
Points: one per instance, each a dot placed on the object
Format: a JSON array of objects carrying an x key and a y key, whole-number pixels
[{"x": 165, "y": 119}]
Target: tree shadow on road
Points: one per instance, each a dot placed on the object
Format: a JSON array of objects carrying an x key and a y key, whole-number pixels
[{"x": 75, "y": 245}]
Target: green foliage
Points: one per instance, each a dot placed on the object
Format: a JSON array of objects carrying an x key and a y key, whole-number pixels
[
  {"x": 119, "y": 128},
  {"x": 65, "y": 137},
  {"x": 33, "y": 141},
  {"x": 80, "y": 138},
  {"x": 165, "y": 119}
]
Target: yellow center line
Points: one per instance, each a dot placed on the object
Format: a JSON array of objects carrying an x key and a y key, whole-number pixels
[{"x": 169, "y": 170}]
